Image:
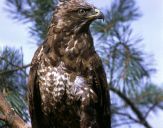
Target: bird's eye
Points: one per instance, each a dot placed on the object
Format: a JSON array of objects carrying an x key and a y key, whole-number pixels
[{"x": 81, "y": 12}]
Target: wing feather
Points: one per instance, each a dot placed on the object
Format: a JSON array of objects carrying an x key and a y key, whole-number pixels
[
  {"x": 34, "y": 98},
  {"x": 102, "y": 90}
]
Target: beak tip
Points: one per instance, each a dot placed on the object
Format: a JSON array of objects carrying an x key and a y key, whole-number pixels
[
  {"x": 101, "y": 16},
  {"x": 97, "y": 14}
]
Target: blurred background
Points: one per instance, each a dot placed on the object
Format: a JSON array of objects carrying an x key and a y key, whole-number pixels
[{"x": 129, "y": 41}]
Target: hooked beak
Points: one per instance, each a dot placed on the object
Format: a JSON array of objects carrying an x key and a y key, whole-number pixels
[{"x": 97, "y": 14}]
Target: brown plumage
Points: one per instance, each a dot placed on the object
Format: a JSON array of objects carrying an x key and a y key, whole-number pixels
[{"x": 67, "y": 83}]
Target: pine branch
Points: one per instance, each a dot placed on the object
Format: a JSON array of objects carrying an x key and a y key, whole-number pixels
[
  {"x": 10, "y": 116},
  {"x": 123, "y": 123},
  {"x": 6, "y": 60},
  {"x": 14, "y": 70},
  {"x": 10, "y": 63},
  {"x": 150, "y": 109},
  {"x": 141, "y": 118},
  {"x": 128, "y": 116}
]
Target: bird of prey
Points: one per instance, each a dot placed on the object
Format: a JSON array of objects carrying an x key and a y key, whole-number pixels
[{"x": 67, "y": 85}]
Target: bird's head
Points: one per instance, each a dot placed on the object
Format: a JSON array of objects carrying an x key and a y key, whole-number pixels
[{"x": 75, "y": 15}]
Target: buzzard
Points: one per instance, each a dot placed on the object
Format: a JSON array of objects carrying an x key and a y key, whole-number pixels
[{"x": 67, "y": 84}]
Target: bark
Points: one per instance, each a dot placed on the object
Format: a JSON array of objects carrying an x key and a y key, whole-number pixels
[{"x": 9, "y": 115}]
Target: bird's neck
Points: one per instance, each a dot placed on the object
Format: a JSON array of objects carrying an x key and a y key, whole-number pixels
[
  {"x": 74, "y": 49},
  {"x": 69, "y": 43},
  {"x": 79, "y": 44}
]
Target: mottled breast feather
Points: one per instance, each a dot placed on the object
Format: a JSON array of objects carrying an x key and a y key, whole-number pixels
[{"x": 57, "y": 84}]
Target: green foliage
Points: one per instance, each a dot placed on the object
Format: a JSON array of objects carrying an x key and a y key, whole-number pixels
[
  {"x": 125, "y": 64},
  {"x": 149, "y": 96},
  {"x": 18, "y": 103},
  {"x": 9, "y": 60},
  {"x": 121, "y": 12},
  {"x": 13, "y": 83}
]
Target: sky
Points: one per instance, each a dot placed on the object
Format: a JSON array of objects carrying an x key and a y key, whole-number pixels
[{"x": 149, "y": 26}]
